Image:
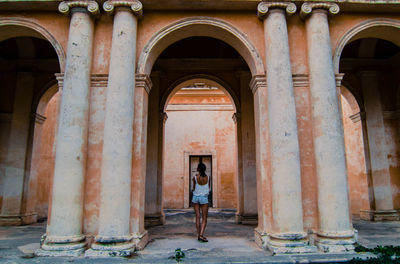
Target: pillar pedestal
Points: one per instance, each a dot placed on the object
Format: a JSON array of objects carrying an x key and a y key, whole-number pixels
[
  {"x": 65, "y": 246},
  {"x": 122, "y": 246},
  {"x": 336, "y": 242},
  {"x": 284, "y": 243}
]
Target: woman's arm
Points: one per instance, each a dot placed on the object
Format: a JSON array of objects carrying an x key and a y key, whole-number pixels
[{"x": 194, "y": 184}]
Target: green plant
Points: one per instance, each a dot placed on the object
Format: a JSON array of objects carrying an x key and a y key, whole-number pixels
[
  {"x": 385, "y": 255},
  {"x": 179, "y": 255}
]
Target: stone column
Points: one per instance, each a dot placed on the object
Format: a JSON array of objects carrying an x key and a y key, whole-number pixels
[
  {"x": 379, "y": 164},
  {"x": 140, "y": 235},
  {"x": 236, "y": 117},
  {"x": 287, "y": 234},
  {"x": 153, "y": 209},
  {"x": 247, "y": 209},
  {"x": 15, "y": 167},
  {"x": 64, "y": 229},
  {"x": 30, "y": 198},
  {"x": 259, "y": 89},
  {"x": 114, "y": 237},
  {"x": 335, "y": 232}
]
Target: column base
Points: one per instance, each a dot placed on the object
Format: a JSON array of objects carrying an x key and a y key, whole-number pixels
[
  {"x": 287, "y": 243},
  {"x": 380, "y": 215},
  {"x": 337, "y": 242},
  {"x": 73, "y": 246},
  {"x": 246, "y": 219},
  {"x": 17, "y": 220},
  {"x": 154, "y": 220},
  {"x": 103, "y": 250},
  {"x": 141, "y": 240}
]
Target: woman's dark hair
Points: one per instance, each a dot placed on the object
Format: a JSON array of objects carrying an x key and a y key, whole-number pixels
[{"x": 201, "y": 168}]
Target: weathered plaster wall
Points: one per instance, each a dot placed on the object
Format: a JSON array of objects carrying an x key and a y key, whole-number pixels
[
  {"x": 46, "y": 159},
  {"x": 195, "y": 130},
  {"x": 355, "y": 158}
]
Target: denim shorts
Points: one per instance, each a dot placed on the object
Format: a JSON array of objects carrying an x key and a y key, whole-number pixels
[{"x": 200, "y": 199}]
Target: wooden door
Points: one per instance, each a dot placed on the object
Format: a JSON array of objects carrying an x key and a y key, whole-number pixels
[{"x": 194, "y": 162}]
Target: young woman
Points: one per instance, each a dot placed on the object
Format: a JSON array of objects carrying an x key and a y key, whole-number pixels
[{"x": 201, "y": 189}]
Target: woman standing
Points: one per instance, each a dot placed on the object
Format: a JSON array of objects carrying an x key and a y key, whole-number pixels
[{"x": 201, "y": 189}]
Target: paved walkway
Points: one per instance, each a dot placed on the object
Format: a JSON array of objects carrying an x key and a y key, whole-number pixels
[{"x": 228, "y": 243}]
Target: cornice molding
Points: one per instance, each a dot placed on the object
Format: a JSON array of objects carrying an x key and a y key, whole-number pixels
[
  {"x": 143, "y": 81},
  {"x": 300, "y": 80},
  {"x": 39, "y": 119},
  {"x": 307, "y": 8},
  {"x": 135, "y": 5},
  {"x": 91, "y": 6},
  {"x": 98, "y": 80},
  {"x": 357, "y": 117},
  {"x": 264, "y": 7},
  {"x": 258, "y": 81}
]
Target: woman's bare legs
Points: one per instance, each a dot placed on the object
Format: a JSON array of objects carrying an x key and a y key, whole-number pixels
[
  {"x": 196, "y": 207},
  {"x": 204, "y": 211}
]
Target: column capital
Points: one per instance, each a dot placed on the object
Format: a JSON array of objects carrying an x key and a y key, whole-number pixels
[
  {"x": 264, "y": 7},
  {"x": 60, "y": 80},
  {"x": 135, "y": 5},
  {"x": 66, "y": 6},
  {"x": 256, "y": 82},
  {"x": 338, "y": 79},
  {"x": 307, "y": 8},
  {"x": 163, "y": 117},
  {"x": 144, "y": 81},
  {"x": 236, "y": 117}
]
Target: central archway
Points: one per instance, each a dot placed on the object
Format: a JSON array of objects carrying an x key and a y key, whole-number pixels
[{"x": 154, "y": 62}]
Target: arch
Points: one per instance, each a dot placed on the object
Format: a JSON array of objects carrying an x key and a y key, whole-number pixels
[
  {"x": 354, "y": 34},
  {"x": 350, "y": 98},
  {"x": 211, "y": 80},
  {"x": 40, "y": 102},
  {"x": 35, "y": 30},
  {"x": 199, "y": 26}
]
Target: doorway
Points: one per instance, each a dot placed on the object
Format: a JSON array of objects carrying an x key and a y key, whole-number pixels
[{"x": 193, "y": 163}]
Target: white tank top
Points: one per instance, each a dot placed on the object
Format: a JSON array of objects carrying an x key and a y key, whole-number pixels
[{"x": 201, "y": 190}]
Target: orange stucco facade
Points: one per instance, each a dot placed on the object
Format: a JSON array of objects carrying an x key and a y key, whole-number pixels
[{"x": 238, "y": 124}]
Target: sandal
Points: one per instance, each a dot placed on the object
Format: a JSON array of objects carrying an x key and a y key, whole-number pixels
[{"x": 202, "y": 239}]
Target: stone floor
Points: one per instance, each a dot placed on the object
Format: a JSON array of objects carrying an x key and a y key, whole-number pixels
[{"x": 228, "y": 242}]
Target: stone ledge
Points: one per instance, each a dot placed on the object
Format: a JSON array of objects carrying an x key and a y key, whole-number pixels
[
  {"x": 246, "y": 219},
  {"x": 154, "y": 220},
  {"x": 141, "y": 240},
  {"x": 376, "y": 215}
]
